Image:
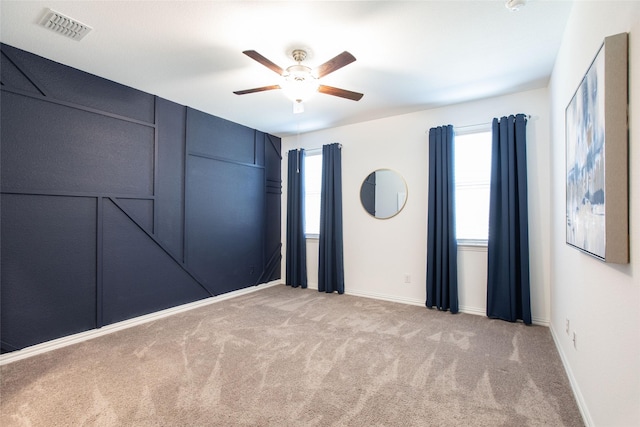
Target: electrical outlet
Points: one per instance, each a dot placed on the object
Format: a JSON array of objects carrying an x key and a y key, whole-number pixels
[
  {"x": 566, "y": 328},
  {"x": 575, "y": 341},
  {"x": 407, "y": 278}
]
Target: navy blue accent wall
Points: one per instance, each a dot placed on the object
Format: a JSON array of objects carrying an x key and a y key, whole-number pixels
[{"x": 116, "y": 203}]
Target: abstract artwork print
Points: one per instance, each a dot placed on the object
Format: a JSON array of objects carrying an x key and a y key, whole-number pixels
[{"x": 585, "y": 131}]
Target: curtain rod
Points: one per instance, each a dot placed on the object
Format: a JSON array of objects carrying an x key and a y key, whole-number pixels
[
  {"x": 310, "y": 150},
  {"x": 528, "y": 116}
]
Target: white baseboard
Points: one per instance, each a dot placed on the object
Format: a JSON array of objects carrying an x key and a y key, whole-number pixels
[
  {"x": 582, "y": 405},
  {"x": 383, "y": 297},
  {"x": 477, "y": 311},
  {"x": 482, "y": 311},
  {"x": 540, "y": 321},
  {"x": 373, "y": 295},
  {"x": 94, "y": 333}
]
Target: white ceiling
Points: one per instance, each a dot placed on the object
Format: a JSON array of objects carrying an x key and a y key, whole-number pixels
[{"x": 411, "y": 55}]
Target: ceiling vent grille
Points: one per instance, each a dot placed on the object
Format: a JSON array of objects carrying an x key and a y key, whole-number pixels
[{"x": 61, "y": 24}]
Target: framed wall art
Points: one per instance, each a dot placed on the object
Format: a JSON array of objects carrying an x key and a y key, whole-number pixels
[{"x": 597, "y": 213}]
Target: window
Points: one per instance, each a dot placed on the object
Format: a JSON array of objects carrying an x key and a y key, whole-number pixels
[
  {"x": 472, "y": 177},
  {"x": 312, "y": 187}
]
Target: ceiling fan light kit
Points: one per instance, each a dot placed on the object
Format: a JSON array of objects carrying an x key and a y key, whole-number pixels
[{"x": 300, "y": 82}]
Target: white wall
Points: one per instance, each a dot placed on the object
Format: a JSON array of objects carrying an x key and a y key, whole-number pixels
[
  {"x": 379, "y": 253},
  {"x": 602, "y": 301}
]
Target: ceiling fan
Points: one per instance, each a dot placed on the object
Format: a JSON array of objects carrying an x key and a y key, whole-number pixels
[{"x": 299, "y": 81}]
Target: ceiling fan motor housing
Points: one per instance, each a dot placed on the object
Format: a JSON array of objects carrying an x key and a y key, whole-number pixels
[{"x": 299, "y": 55}]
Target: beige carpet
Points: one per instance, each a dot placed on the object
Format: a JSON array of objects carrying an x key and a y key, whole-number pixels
[{"x": 293, "y": 357}]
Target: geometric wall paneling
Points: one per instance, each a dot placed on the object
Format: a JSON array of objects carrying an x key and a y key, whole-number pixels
[
  {"x": 259, "y": 147},
  {"x": 219, "y": 138},
  {"x": 117, "y": 203},
  {"x": 12, "y": 76},
  {"x": 271, "y": 269},
  {"x": 169, "y": 202},
  {"x": 224, "y": 222},
  {"x": 274, "y": 249},
  {"x": 140, "y": 210},
  {"x": 273, "y": 245},
  {"x": 273, "y": 157},
  {"x": 77, "y": 87},
  {"x": 273, "y": 214},
  {"x": 138, "y": 275},
  {"x": 48, "y": 268},
  {"x": 273, "y": 193},
  {"x": 43, "y": 148}
]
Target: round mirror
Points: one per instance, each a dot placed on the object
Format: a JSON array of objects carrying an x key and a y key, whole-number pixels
[{"x": 383, "y": 193}]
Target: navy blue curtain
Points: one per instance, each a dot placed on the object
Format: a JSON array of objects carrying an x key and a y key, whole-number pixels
[
  {"x": 442, "y": 247},
  {"x": 296, "y": 274},
  {"x": 331, "y": 262},
  {"x": 508, "y": 294}
]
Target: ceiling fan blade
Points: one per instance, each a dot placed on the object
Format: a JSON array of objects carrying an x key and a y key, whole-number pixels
[
  {"x": 342, "y": 93},
  {"x": 257, "y": 89},
  {"x": 345, "y": 58},
  {"x": 264, "y": 61}
]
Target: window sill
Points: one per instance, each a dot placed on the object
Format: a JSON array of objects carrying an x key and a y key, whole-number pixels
[
  {"x": 312, "y": 236},
  {"x": 473, "y": 245}
]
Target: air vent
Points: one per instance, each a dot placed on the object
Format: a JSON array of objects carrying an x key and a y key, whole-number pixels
[{"x": 61, "y": 24}]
